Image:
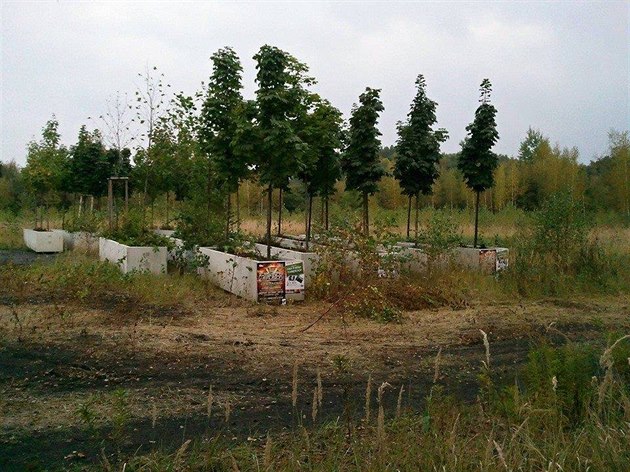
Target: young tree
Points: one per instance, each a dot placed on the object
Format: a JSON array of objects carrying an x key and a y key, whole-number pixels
[
  {"x": 220, "y": 118},
  {"x": 476, "y": 160},
  {"x": 280, "y": 99},
  {"x": 46, "y": 169},
  {"x": 529, "y": 146},
  {"x": 89, "y": 166},
  {"x": 361, "y": 162},
  {"x": 150, "y": 102},
  {"x": 320, "y": 169},
  {"x": 418, "y": 149},
  {"x": 116, "y": 130}
]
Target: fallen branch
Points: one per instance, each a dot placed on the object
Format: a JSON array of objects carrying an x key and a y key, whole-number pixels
[{"x": 322, "y": 315}]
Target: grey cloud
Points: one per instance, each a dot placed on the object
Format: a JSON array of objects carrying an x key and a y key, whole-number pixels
[{"x": 559, "y": 66}]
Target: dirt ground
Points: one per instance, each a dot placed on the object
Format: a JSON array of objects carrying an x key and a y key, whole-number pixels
[{"x": 61, "y": 364}]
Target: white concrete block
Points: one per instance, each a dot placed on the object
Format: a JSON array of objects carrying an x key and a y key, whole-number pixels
[
  {"x": 43, "y": 241},
  {"x": 243, "y": 276},
  {"x": 133, "y": 258}
]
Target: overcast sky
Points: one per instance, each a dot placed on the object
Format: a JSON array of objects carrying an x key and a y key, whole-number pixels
[{"x": 559, "y": 66}]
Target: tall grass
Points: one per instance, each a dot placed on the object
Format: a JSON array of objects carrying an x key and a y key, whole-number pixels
[{"x": 568, "y": 411}]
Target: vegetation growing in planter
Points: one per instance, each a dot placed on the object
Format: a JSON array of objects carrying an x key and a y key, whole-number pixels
[
  {"x": 418, "y": 150},
  {"x": 321, "y": 169},
  {"x": 281, "y": 103},
  {"x": 45, "y": 172},
  {"x": 221, "y": 118},
  {"x": 132, "y": 232},
  {"x": 360, "y": 162},
  {"x": 477, "y": 161}
]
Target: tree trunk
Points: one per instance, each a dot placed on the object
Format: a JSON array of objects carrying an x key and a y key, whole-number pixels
[
  {"x": 280, "y": 213},
  {"x": 208, "y": 188},
  {"x": 366, "y": 216},
  {"x": 269, "y": 202},
  {"x": 476, "y": 219},
  {"x": 321, "y": 219},
  {"x": 227, "y": 217},
  {"x": 326, "y": 203},
  {"x": 310, "y": 219},
  {"x": 80, "y": 204},
  {"x": 416, "y": 222},
  {"x": 167, "y": 203},
  {"x": 238, "y": 207},
  {"x": 409, "y": 218}
]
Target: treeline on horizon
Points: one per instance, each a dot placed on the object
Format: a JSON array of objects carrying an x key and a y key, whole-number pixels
[
  {"x": 210, "y": 143},
  {"x": 525, "y": 181}
]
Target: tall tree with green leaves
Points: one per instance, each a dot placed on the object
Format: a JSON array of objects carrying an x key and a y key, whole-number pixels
[
  {"x": 533, "y": 140},
  {"x": 361, "y": 161},
  {"x": 220, "y": 118},
  {"x": 418, "y": 149},
  {"x": 477, "y": 161},
  {"x": 280, "y": 106},
  {"x": 46, "y": 169},
  {"x": 320, "y": 169},
  {"x": 89, "y": 165}
]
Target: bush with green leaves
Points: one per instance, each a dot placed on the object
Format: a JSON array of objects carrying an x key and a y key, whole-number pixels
[
  {"x": 554, "y": 254},
  {"x": 132, "y": 231},
  {"x": 440, "y": 236}
]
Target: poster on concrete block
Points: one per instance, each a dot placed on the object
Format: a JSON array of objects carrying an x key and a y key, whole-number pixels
[
  {"x": 295, "y": 277},
  {"x": 271, "y": 282},
  {"x": 502, "y": 259}
]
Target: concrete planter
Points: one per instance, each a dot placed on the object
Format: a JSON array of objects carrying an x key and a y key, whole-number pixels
[
  {"x": 165, "y": 232},
  {"x": 309, "y": 259},
  {"x": 255, "y": 280},
  {"x": 133, "y": 258},
  {"x": 79, "y": 241},
  {"x": 176, "y": 252},
  {"x": 487, "y": 261},
  {"x": 43, "y": 241}
]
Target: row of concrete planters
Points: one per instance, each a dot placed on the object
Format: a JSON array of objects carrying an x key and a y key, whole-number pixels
[
  {"x": 245, "y": 277},
  {"x": 487, "y": 260},
  {"x": 133, "y": 258},
  {"x": 43, "y": 241}
]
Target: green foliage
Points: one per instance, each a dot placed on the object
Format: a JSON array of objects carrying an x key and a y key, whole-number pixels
[
  {"x": 477, "y": 162},
  {"x": 281, "y": 104},
  {"x": 323, "y": 134},
  {"x": 11, "y": 187},
  {"x": 89, "y": 222},
  {"x": 418, "y": 146},
  {"x": 440, "y": 235},
  {"x": 132, "y": 231},
  {"x": 530, "y": 145},
  {"x": 220, "y": 118},
  {"x": 554, "y": 255},
  {"x": 573, "y": 367},
  {"x": 361, "y": 162},
  {"x": 46, "y": 166},
  {"x": 89, "y": 165}
]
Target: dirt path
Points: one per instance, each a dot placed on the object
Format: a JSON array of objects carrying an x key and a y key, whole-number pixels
[
  {"x": 23, "y": 257},
  {"x": 61, "y": 364}
]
